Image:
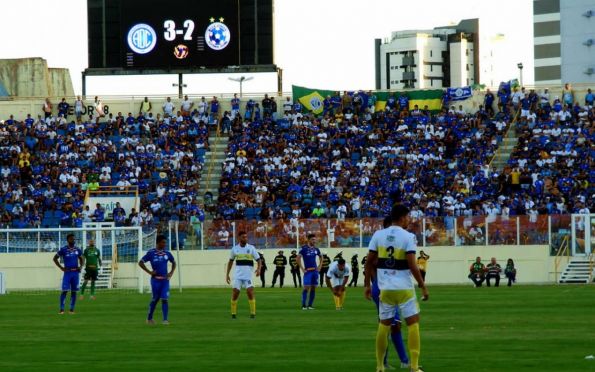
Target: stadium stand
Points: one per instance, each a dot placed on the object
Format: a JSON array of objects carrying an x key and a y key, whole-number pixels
[
  {"x": 348, "y": 162},
  {"x": 48, "y": 164}
]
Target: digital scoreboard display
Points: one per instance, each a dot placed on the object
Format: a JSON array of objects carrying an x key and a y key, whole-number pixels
[
  {"x": 202, "y": 36},
  {"x": 174, "y": 34}
]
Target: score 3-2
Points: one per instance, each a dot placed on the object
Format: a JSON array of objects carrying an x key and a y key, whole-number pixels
[{"x": 171, "y": 33}]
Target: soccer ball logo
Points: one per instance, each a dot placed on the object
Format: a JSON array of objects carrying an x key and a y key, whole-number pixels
[
  {"x": 217, "y": 35},
  {"x": 181, "y": 51}
]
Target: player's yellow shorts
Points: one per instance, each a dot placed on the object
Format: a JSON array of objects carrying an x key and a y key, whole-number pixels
[{"x": 403, "y": 300}]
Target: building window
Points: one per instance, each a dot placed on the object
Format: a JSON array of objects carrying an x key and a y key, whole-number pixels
[
  {"x": 467, "y": 67},
  {"x": 431, "y": 83},
  {"x": 467, "y": 52},
  {"x": 431, "y": 68},
  {"x": 467, "y": 81},
  {"x": 430, "y": 53}
]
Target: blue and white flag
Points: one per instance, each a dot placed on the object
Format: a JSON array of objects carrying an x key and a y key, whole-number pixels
[{"x": 459, "y": 94}]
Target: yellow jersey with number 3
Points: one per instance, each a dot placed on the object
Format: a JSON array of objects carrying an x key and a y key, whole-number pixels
[{"x": 392, "y": 245}]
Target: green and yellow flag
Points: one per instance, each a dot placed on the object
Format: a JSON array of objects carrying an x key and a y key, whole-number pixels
[
  {"x": 311, "y": 99},
  {"x": 381, "y": 101},
  {"x": 432, "y": 98}
]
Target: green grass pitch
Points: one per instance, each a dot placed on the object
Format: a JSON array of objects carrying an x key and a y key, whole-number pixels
[{"x": 523, "y": 328}]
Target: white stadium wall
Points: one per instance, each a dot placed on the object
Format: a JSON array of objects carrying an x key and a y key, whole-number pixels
[{"x": 447, "y": 265}]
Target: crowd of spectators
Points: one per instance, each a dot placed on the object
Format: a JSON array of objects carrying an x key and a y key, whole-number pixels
[
  {"x": 354, "y": 161},
  {"x": 48, "y": 163}
]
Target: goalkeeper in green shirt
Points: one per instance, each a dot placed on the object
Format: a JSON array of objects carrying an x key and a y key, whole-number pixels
[{"x": 92, "y": 258}]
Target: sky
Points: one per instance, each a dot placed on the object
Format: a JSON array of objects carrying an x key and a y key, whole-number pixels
[{"x": 326, "y": 44}]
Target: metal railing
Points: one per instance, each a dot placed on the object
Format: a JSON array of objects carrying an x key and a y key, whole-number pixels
[
  {"x": 591, "y": 267},
  {"x": 356, "y": 233},
  {"x": 563, "y": 252}
]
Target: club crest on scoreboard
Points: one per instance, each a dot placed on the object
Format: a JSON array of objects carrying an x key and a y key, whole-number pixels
[
  {"x": 142, "y": 38},
  {"x": 217, "y": 35}
]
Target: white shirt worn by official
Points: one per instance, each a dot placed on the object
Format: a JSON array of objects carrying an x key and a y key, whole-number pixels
[
  {"x": 336, "y": 275},
  {"x": 244, "y": 258}
]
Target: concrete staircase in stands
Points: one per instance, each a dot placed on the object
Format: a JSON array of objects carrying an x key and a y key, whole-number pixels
[
  {"x": 213, "y": 161},
  {"x": 578, "y": 271},
  {"x": 504, "y": 150}
]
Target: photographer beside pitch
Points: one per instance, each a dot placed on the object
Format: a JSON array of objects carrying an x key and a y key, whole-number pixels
[{"x": 391, "y": 258}]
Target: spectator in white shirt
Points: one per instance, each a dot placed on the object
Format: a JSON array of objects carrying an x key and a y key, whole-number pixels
[{"x": 168, "y": 107}]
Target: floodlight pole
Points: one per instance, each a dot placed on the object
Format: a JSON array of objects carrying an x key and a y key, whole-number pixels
[
  {"x": 180, "y": 85},
  {"x": 241, "y": 80}
]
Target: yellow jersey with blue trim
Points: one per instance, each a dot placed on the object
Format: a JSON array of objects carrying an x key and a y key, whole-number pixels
[
  {"x": 392, "y": 245},
  {"x": 244, "y": 258}
]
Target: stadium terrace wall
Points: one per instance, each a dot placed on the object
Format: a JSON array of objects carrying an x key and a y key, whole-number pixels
[
  {"x": 20, "y": 107},
  {"x": 447, "y": 265}
]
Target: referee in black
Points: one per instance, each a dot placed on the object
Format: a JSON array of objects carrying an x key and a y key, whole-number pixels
[
  {"x": 263, "y": 269},
  {"x": 295, "y": 269},
  {"x": 326, "y": 262},
  {"x": 354, "y": 270},
  {"x": 280, "y": 263}
]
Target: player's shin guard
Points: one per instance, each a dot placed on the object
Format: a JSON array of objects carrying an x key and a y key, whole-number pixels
[
  {"x": 152, "y": 307},
  {"x": 72, "y": 300},
  {"x": 83, "y": 287},
  {"x": 165, "y": 308},
  {"x": 252, "y": 304},
  {"x": 414, "y": 345},
  {"x": 342, "y": 298},
  {"x": 304, "y": 297},
  {"x": 62, "y": 300},
  {"x": 234, "y": 307},
  {"x": 312, "y": 296},
  {"x": 397, "y": 339},
  {"x": 381, "y": 344},
  {"x": 93, "y": 288}
]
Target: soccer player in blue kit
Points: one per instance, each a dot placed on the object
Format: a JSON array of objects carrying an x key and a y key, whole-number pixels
[
  {"x": 395, "y": 333},
  {"x": 159, "y": 258},
  {"x": 72, "y": 257},
  {"x": 310, "y": 268}
]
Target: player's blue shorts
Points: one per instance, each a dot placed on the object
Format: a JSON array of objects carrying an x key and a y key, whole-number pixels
[
  {"x": 70, "y": 281},
  {"x": 311, "y": 278},
  {"x": 160, "y": 289},
  {"x": 376, "y": 298}
]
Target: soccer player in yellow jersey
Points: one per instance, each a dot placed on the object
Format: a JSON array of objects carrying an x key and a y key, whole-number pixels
[
  {"x": 244, "y": 255},
  {"x": 391, "y": 258}
]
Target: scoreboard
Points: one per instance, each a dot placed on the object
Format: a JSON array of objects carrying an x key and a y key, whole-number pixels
[{"x": 174, "y": 34}]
